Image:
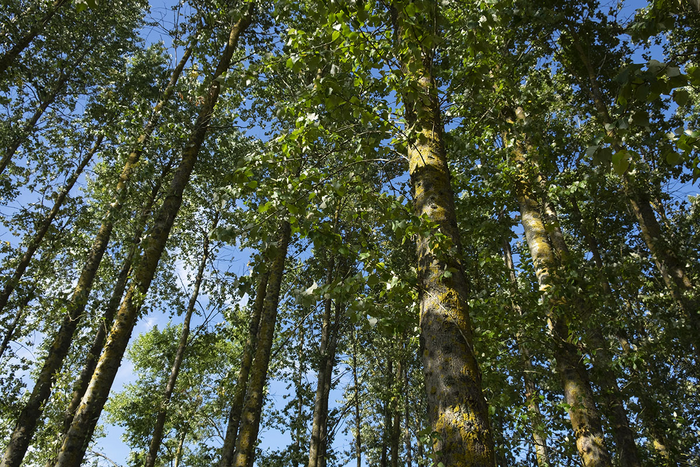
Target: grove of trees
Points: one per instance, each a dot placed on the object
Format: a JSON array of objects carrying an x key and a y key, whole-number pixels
[{"x": 459, "y": 232}]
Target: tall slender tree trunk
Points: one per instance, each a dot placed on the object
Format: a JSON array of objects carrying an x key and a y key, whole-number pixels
[
  {"x": 457, "y": 410},
  {"x": 602, "y": 358},
  {"x": 44, "y": 104},
  {"x": 300, "y": 420},
  {"x": 29, "y": 125},
  {"x": 537, "y": 425},
  {"x": 44, "y": 227},
  {"x": 31, "y": 414},
  {"x": 358, "y": 405},
  {"x": 388, "y": 421},
  {"x": 8, "y": 58},
  {"x": 578, "y": 394},
  {"x": 107, "y": 319},
  {"x": 407, "y": 420},
  {"x": 239, "y": 392},
  {"x": 73, "y": 449},
  {"x": 19, "y": 314},
  {"x": 325, "y": 366},
  {"x": 250, "y": 418},
  {"x": 396, "y": 423},
  {"x": 157, "y": 436},
  {"x": 669, "y": 264}
]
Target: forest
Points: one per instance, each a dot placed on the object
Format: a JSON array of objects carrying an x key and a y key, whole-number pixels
[{"x": 350, "y": 233}]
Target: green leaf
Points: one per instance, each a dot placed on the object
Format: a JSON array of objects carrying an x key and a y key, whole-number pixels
[
  {"x": 680, "y": 97},
  {"x": 673, "y": 158},
  {"x": 265, "y": 207}
]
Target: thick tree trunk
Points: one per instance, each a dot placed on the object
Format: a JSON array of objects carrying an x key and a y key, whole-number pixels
[
  {"x": 583, "y": 413},
  {"x": 250, "y": 419},
  {"x": 8, "y": 58},
  {"x": 157, "y": 436},
  {"x": 31, "y": 414},
  {"x": 240, "y": 389},
  {"x": 457, "y": 410},
  {"x": 86, "y": 417},
  {"x": 537, "y": 425},
  {"x": 44, "y": 227}
]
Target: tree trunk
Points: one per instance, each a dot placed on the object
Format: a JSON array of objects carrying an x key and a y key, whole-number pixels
[
  {"x": 19, "y": 314},
  {"x": 386, "y": 407},
  {"x": 396, "y": 423},
  {"x": 250, "y": 418},
  {"x": 11, "y": 55},
  {"x": 358, "y": 407},
  {"x": 93, "y": 355},
  {"x": 325, "y": 366},
  {"x": 44, "y": 228},
  {"x": 457, "y": 410},
  {"x": 670, "y": 266},
  {"x": 86, "y": 417},
  {"x": 239, "y": 391},
  {"x": 603, "y": 362},
  {"x": 44, "y": 104},
  {"x": 157, "y": 436},
  {"x": 583, "y": 413},
  {"x": 26, "y": 424},
  {"x": 537, "y": 425}
]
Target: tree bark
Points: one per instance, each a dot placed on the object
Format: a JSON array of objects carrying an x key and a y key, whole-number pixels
[
  {"x": 93, "y": 355},
  {"x": 457, "y": 410},
  {"x": 325, "y": 370},
  {"x": 44, "y": 227},
  {"x": 157, "y": 436},
  {"x": 578, "y": 394},
  {"x": 250, "y": 417},
  {"x": 537, "y": 425},
  {"x": 73, "y": 449},
  {"x": 31, "y": 414},
  {"x": 19, "y": 314},
  {"x": 239, "y": 393},
  {"x": 358, "y": 407}
]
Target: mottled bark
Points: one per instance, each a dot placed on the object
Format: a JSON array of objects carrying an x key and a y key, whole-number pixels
[
  {"x": 8, "y": 58},
  {"x": 43, "y": 228},
  {"x": 578, "y": 394},
  {"x": 250, "y": 418},
  {"x": 603, "y": 363},
  {"x": 457, "y": 410},
  {"x": 31, "y": 414},
  {"x": 537, "y": 425},
  {"x": 73, "y": 449},
  {"x": 110, "y": 310},
  {"x": 157, "y": 436},
  {"x": 239, "y": 391}
]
